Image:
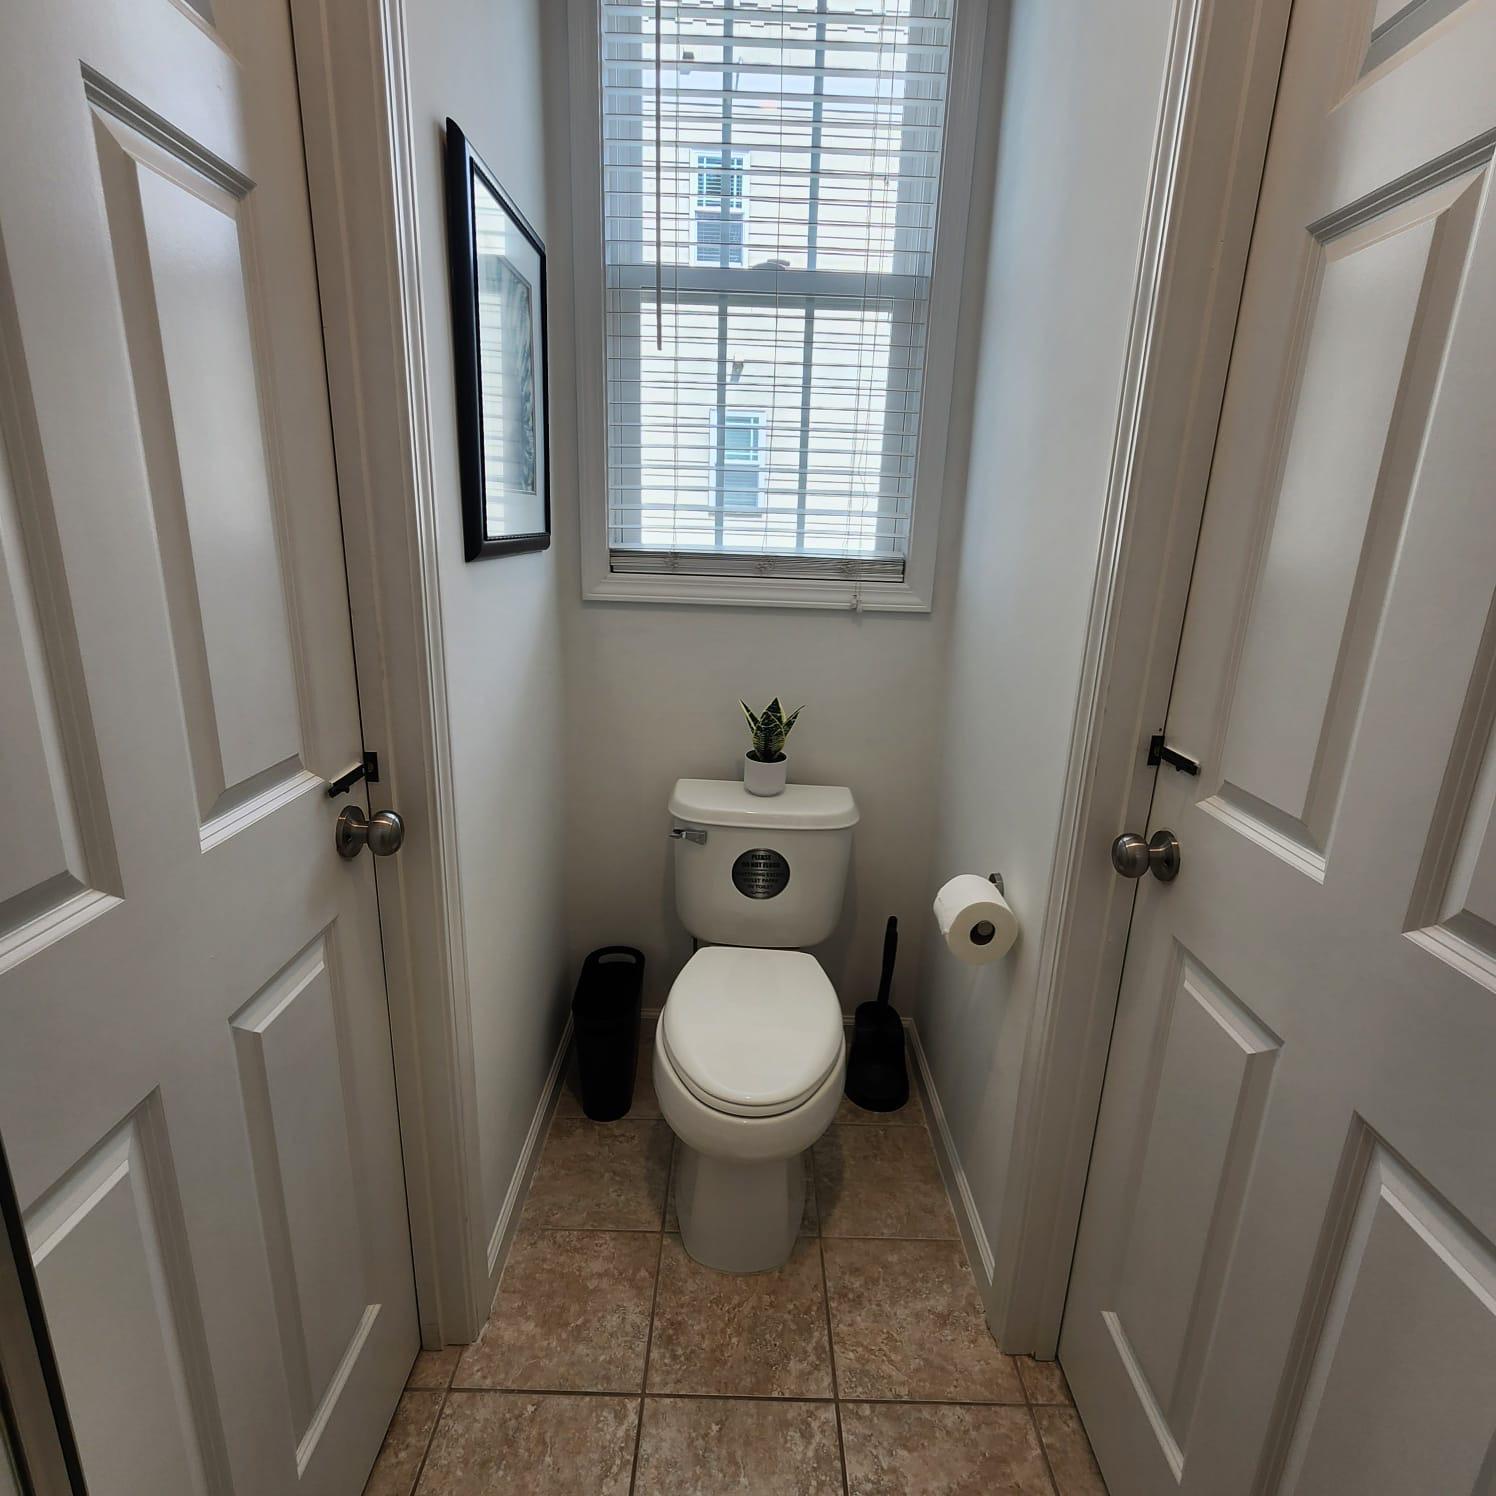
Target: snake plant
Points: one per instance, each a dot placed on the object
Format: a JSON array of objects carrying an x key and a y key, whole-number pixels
[{"x": 769, "y": 728}]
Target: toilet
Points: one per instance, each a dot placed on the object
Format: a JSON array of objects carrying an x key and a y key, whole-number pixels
[{"x": 750, "y": 1054}]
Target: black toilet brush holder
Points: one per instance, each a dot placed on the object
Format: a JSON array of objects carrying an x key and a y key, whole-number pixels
[{"x": 877, "y": 1068}]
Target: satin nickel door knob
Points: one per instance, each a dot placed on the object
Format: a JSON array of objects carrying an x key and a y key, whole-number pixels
[
  {"x": 383, "y": 832},
  {"x": 1159, "y": 855}
]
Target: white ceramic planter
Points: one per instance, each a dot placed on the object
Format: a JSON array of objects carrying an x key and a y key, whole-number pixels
[{"x": 765, "y": 779}]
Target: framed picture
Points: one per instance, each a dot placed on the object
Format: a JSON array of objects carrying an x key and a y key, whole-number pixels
[{"x": 498, "y": 329}]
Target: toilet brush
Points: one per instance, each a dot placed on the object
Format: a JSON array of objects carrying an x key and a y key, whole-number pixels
[{"x": 877, "y": 1075}]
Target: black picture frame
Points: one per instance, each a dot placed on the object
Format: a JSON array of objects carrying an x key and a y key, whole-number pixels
[{"x": 525, "y": 444}]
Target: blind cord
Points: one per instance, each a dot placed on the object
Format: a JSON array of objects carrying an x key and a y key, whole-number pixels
[{"x": 659, "y": 161}]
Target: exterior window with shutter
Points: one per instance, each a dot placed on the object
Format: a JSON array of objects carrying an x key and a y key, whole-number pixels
[{"x": 771, "y": 189}]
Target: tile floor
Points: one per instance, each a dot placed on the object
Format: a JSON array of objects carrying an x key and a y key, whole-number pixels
[{"x": 612, "y": 1363}]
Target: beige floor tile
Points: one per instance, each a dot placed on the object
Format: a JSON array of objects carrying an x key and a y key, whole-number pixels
[
  {"x": 1043, "y": 1381},
  {"x": 646, "y": 1106},
  {"x": 394, "y": 1472},
  {"x": 717, "y": 1446},
  {"x": 572, "y": 1314},
  {"x": 1069, "y": 1451},
  {"x": 433, "y": 1369},
  {"x": 941, "y": 1450},
  {"x": 880, "y": 1181},
  {"x": 906, "y": 1323},
  {"x": 809, "y": 1219},
  {"x": 606, "y": 1176},
  {"x": 517, "y": 1444},
  {"x": 740, "y": 1335},
  {"x": 911, "y": 1114}
]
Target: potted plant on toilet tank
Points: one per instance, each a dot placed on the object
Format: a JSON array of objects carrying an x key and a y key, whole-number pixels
[{"x": 766, "y": 764}]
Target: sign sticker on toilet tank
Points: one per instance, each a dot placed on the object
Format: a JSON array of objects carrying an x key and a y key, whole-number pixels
[{"x": 761, "y": 873}]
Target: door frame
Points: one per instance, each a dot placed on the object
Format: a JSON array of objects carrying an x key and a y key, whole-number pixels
[
  {"x": 1214, "y": 118},
  {"x": 352, "y": 76}
]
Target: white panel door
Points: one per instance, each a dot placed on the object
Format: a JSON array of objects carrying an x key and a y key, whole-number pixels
[
  {"x": 1286, "y": 1274},
  {"x": 196, "y": 1088}
]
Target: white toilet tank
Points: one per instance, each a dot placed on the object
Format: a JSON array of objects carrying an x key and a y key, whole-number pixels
[{"x": 764, "y": 870}]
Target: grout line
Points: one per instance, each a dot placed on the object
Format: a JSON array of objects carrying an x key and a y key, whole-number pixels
[
  {"x": 951, "y": 1241},
  {"x": 1028, "y": 1402},
  {"x": 774, "y": 1397},
  {"x": 841, "y": 1441},
  {"x": 792, "y": 1397},
  {"x": 616, "y": 1230},
  {"x": 441, "y": 1408},
  {"x": 954, "y": 1241},
  {"x": 654, "y": 1304}
]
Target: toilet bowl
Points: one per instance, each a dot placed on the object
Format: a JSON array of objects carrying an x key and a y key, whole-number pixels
[{"x": 749, "y": 1064}]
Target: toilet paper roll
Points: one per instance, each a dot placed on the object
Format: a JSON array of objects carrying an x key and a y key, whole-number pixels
[{"x": 975, "y": 920}]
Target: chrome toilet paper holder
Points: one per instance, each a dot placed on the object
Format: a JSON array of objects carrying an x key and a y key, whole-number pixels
[{"x": 996, "y": 879}]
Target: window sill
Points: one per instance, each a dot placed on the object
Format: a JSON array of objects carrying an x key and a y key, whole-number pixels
[{"x": 757, "y": 592}]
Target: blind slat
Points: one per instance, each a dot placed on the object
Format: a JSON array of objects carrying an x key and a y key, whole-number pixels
[{"x": 770, "y": 189}]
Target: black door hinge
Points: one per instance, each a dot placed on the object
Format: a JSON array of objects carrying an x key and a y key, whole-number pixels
[
  {"x": 368, "y": 771},
  {"x": 1159, "y": 752}
]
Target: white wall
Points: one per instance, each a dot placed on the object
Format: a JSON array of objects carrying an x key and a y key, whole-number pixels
[
  {"x": 1084, "y": 86},
  {"x": 652, "y": 695},
  {"x": 480, "y": 62}
]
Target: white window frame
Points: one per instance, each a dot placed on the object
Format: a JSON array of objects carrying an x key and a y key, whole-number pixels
[{"x": 915, "y": 593}]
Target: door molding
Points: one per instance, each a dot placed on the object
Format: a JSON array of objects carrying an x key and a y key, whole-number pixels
[
  {"x": 1214, "y": 117},
  {"x": 352, "y": 72}
]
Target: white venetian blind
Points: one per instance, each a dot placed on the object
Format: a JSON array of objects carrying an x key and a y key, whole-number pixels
[{"x": 771, "y": 179}]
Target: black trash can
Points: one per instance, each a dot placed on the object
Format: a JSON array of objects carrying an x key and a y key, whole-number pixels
[{"x": 605, "y": 1014}]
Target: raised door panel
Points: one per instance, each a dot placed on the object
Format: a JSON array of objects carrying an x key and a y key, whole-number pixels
[
  {"x": 1211, "y": 1069},
  {"x": 183, "y": 250},
  {"x": 290, "y": 1044},
  {"x": 59, "y": 845},
  {"x": 1401, "y": 1386},
  {"x": 1378, "y": 298},
  {"x": 111, "y": 1261},
  {"x": 1454, "y": 905}
]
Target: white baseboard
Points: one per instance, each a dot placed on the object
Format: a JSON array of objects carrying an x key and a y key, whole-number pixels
[
  {"x": 973, "y": 1235},
  {"x": 508, "y": 1219}
]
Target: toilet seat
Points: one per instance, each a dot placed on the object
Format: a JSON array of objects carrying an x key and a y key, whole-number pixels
[{"x": 752, "y": 1032}]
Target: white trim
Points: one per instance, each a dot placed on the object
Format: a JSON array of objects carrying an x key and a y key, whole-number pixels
[
  {"x": 351, "y": 71},
  {"x": 968, "y": 1219},
  {"x": 507, "y": 1221},
  {"x": 1212, "y": 140},
  {"x": 915, "y": 594}
]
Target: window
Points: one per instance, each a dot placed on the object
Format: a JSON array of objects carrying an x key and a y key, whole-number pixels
[
  {"x": 769, "y": 194},
  {"x": 721, "y": 207},
  {"x": 719, "y": 241},
  {"x": 736, "y": 457},
  {"x": 718, "y": 189}
]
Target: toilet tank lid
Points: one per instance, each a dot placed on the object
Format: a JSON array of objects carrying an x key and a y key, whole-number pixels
[{"x": 724, "y": 802}]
